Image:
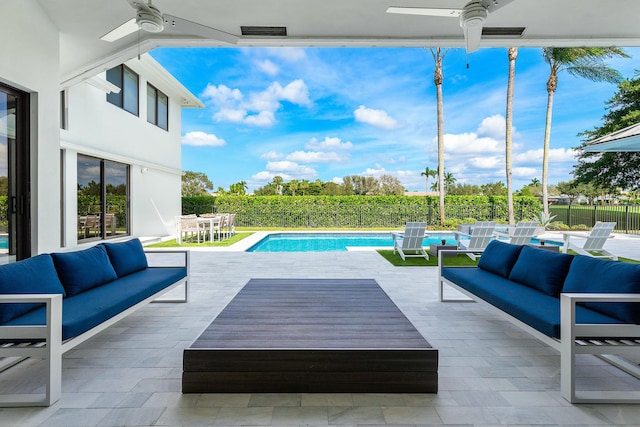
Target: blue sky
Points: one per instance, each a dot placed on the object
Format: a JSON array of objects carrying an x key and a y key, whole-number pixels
[{"x": 324, "y": 113}]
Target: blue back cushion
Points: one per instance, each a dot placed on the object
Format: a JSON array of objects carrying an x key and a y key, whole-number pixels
[
  {"x": 589, "y": 274},
  {"x": 499, "y": 257},
  {"x": 541, "y": 269},
  {"x": 36, "y": 275},
  {"x": 127, "y": 257},
  {"x": 82, "y": 270}
]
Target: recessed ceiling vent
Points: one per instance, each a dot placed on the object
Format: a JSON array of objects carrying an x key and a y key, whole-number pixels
[
  {"x": 264, "y": 31},
  {"x": 503, "y": 31}
]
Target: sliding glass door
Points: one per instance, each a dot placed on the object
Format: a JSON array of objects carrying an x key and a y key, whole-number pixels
[{"x": 15, "y": 239}]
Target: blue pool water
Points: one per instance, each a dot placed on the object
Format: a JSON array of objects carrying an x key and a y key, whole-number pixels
[
  {"x": 4, "y": 242},
  {"x": 325, "y": 242}
]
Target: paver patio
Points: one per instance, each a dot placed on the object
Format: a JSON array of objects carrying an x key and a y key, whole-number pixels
[{"x": 490, "y": 372}]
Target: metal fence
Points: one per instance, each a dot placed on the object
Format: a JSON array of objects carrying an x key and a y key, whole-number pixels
[{"x": 626, "y": 217}]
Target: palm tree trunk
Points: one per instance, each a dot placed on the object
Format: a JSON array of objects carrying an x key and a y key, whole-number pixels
[
  {"x": 513, "y": 55},
  {"x": 545, "y": 154},
  {"x": 437, "y": 79}
]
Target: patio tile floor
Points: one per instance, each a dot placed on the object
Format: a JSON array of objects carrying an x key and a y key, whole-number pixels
[{"x": 491, "y": 373}]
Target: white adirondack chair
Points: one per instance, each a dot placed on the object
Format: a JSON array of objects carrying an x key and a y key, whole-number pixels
[
  {"x": 521, "y": 234},
  {"x": 482, "y": 232},
  {"x": 594, "y": 241},
  {"x": 410, "y": 241}
]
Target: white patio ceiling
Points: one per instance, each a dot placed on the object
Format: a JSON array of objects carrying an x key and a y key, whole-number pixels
[
  {"x": 624, "y": 140},
  {"x": 332, "y": 23}
]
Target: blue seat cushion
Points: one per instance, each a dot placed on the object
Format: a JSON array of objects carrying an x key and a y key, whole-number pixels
[
  {"x": 94, "y": 306},
  {"x": 541, "y": 269},
  {"x": 527, "y": 304},
  {"x": 82, "y": 270},
  {"x": 35, "y": 275},
  {"x": 499, "y": 257},
  {"x": 589, "y": 274},
  {"x": 126, "y": 257}
]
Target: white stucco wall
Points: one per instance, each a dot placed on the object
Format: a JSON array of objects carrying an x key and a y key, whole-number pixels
[
  {"x": 30, "y": 62},
  {"x": 98, "y": 128}
]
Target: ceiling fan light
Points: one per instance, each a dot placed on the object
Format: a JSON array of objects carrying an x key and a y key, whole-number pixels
[
  {"x": 150, "y": 21},
  {"x": 473, "y": 15}
]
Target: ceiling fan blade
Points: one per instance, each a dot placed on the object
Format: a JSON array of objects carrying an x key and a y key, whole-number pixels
[
  {"x": 493, "y": 5},
  {"x": 180, "y": 26},
  {"x": 121, "y": 31},
  {"x": 472, "y": 36},
  {"x": 426, "y": 11}
]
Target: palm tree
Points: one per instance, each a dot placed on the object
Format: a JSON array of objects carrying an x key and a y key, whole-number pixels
[
  {"x": 512, "y": 55},
  {"x": 535, "y": 182},
  {"x": 449, "y": 180},
  {"x": 438, "y": 57},
  {"x": 587, "y": 62},
  {"x": 428, "y": 173}
]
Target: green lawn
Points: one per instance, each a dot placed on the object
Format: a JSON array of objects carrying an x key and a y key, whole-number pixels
[
  {"x": 460, "y": 259},
  {"x": 396, "y": 260},
  {"x": 227, "y": 242}
]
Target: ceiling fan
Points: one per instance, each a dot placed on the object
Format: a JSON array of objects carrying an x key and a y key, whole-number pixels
[
  {"x": 149, "y": 18},
  {"x": 472, "y": 17}
]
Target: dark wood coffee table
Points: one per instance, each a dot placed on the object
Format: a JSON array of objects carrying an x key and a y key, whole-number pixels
[{"x": 310, "y": 335}]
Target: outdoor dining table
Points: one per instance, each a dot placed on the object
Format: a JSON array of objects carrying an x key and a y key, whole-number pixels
[{"x": 214, "y": 223}]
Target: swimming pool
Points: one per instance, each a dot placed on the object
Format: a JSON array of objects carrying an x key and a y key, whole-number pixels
[
  {"x": 338, "y": 242},
  {"x": 326, "y": 242}
]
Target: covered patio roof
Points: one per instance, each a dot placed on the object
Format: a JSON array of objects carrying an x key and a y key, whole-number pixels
[
  {"x": 82, "y": 23},
  {"x": 623, "y": 140}
]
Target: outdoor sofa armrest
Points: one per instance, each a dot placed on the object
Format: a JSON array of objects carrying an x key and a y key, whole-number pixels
[{"x": 168, "y": 255}]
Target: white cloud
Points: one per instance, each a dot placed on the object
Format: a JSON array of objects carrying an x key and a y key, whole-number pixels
[
  {"x": 316, "y": 157},
  {"x": 265, "y": 176},
  {"x": 272, "y": 155},
  {"x": 377, "y": 118},
  {"x": 470, "y": 143},
  {"x": 291, "y": 168},
  {"x": 494, "y": 127},
  {"x": 221, "y": 95},
  {"x": 556, "y": 155},
  {"x": 328, "y": 144},
  {"x": 230, "y": 115},
  {"x": 268, "y": 67},
  {"x": 260, "y": 109},
  {"x": 338, "y": 180},
  {"x": 489, "y": 162},
  {"x": 202, "y": 139},
  {"x": 525, "y": 172}
]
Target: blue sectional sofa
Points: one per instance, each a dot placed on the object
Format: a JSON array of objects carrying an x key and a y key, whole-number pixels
[
  {"x": 573, "y": 303},
  {"x": 62, "y": 299}
]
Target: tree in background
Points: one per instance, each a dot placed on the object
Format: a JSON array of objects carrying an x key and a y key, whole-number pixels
[
  {"x": 613, "y": 170},
  {"x": 390, "y": 185},
  {"x": 238, "y": 189},
  {"x": 438, "y": 77},
  {"x": 512, "y": 54},
  {"x": 494, "y": 189},
  {"x": 195, "y": 184},
  {"x": 428, "y": 173},
  {"x": 586, "y": 62}
]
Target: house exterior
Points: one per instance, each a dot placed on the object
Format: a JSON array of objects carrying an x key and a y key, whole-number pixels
[
  {"x": 129, "y": 141},
  {"x": 48, "y": 129}
]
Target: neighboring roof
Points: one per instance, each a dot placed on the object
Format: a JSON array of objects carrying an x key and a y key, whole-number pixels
[{"x": 623, "y": 140}]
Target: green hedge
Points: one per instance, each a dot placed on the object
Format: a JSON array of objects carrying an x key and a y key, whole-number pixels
[{"x": 357, "y": 211}]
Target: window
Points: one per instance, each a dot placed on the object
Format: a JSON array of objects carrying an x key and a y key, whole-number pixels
[
  {"x": 103, "y": 198},
  {"x": 127, "y": 81},
  {"x": 157, "y": 107}
]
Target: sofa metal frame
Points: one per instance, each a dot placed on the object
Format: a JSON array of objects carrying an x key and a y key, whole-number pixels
[
  {"x": 609, "y": 342},
  {"x": 48, "y": 344}
]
